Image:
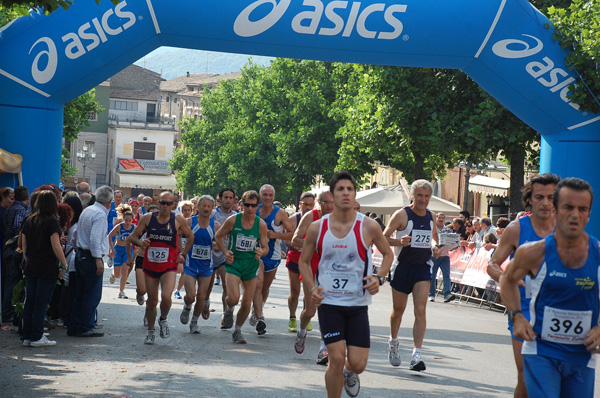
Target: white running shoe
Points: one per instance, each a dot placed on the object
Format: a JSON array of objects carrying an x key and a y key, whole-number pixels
[
  {"x": 149, "y": 337},
  {"x": 164, "y": 329},
  {"x": 43, "y": 342},
  {"x": 26, "y": 343},
  {"x": 394, "y": 353},
  {"x": 253, "y": 319},
  {"x": 351, "y": 384},
  {"x": 238, "y": 338},
  {"x": 299, "y": 343},
  {"x": 122, "y": 295},
  {"x": 112, "y": 279},
  {"x": 417, "y": 364},
  {"x": 194, "y": 328}
]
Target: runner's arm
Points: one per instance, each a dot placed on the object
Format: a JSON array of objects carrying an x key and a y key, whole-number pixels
[
  {"x": 111, "y": 235},
  {"x": 263, "y": 250},
  {"x": 222, "y": 233},
  {"x": 185, "y": 229},
  {"x": 305, "y": 221},
  {"x": 304, "y": 263},
  {"x": 214, "y": 242},
  {"x": 293, "y": 222},
  {"x": 388, "y": 255},
  {"x": 397, "y": 223},
  {"x": 508, "y": 243},
  {"x": 138, "y": 231},
  {"x": 285, "y": 220}
]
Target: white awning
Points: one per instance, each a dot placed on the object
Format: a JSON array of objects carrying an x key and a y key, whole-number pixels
[
  {"x": 146, "y": 181},
  {"x": 489, "y": 186}
]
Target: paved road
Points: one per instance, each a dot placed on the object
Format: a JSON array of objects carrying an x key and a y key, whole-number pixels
[{"x": 467, "y": 352}]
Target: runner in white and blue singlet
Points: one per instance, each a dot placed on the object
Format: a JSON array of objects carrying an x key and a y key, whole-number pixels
[{"x": 563, "y": 333}]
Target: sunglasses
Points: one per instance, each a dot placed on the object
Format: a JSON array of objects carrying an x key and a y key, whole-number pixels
[
  {"x": 250, "y": 204},
  {"x": 166, "y": 202},
  {"x": 308, "y": 204}
]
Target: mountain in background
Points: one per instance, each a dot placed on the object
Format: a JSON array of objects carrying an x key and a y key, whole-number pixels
[{"x": 173, "y": 62}]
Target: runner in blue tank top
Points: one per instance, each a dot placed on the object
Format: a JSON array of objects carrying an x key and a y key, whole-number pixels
[
  {"x": 198, "y": 266},
  {"x": 415, "y": 234},
  {"x": 537, "y": 198},
  {"x": 118, "y": 252},
  {"x": 280, "y": 228},
  {"x": 563, "y": 332}
]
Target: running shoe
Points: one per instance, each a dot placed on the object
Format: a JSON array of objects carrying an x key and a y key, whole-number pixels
[
  {"x": 299, "y": 343},
  {"x": 431, "y": 299},
  {"x": 122, "y": 295},
  {"x": 185, "y": 315},
  {"x": 206, "y": 310},
  {"x": 112, "y": 279},
  {"x": 261, "y": 326},
  {"x": 43, "y": 342},
  {"x": 145, "y": 321},
  {"x": 177, "y": 294},
  {"x": 309, "y": 326},
  {"x": 351, "y": 384},
  {"x": 227, "y": 321},
  {"x": 140, "y": 299},
  {"x": 292, "y": 325},
  {"x": 449, "y": 298},
  {"x": 217, "y": 281},
  {"x": 26, "y": 343},
  {"x": 149, "y": 337},
  {"x": 164, "y": 329},
  {"x": 238, "y": 338},
  {"x": 394, "y": 353},
  {"x": 194, "y": 328},
  {"x": 323, "y": 357},
  {"x": 417, "y": 364},
  {"x": 253, "y": 319}
]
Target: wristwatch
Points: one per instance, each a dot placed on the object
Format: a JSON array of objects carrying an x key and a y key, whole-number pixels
[
  {"x": 512, "y": 314},
  {"x": 381, "y": 280}
]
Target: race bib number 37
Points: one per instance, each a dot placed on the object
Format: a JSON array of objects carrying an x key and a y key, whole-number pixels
[
  {"x": 421, "y": 238},
  {"x": 158, "y": 254},
  {"x": 566, "y": 326}
]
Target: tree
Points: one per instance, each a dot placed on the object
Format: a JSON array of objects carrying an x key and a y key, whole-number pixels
[{"x": 269, "y": 126}]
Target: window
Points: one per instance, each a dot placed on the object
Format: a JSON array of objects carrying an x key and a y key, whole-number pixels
[
  {"x": 93, "y": 117},
  {"x": 144, "y": 150},
  {"x": 123, "y": 105}
]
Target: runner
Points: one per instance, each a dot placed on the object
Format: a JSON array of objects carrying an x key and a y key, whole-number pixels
[
  {"x": 345, "y": 283},
  {"x": 118, "y": 252},
  {"x": 246, "y": 231},
  {"x": 563, "y": 268},
  {"x": 537, "y": 198},
  {"x": 414, "y": 224},
  {"x": 199, "y": 263},
  {"x": 221, "y": 213},
  {"x": 307, "y": 202},
  {"x": 140, "y": 279},
  {"x": 277, "y": 221},
  {"x": 187, "y": 208},
  {"x": 326, "y": 207},
  {"x": 161, "y": 258}
]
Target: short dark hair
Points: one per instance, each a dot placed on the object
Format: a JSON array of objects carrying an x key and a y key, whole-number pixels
[
  {"x": 339, "y": 176},
  {"x": 466, "y": 214},
  {"x": 486, "y": 221},
  {"x": 21, "y": 193},
  {"x": 227, "y": 189},
  {"x": 502, "y": 222},
  {"x": 576, "y": 184},
  {"x": 543, "y": 179}
]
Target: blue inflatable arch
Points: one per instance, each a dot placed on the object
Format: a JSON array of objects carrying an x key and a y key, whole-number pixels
[{"x": 504, "y": 45}]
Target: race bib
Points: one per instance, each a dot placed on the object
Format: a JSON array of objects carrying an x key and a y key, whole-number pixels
[
  {"x": 245, "y": 243},
  {"x": 340, "y": 283},
  {"x": 158, "y": 254},
  {"x": 200, "y": 252},
  {"x": 421, "y": 239},
  {"x": 565, "y": 326}
]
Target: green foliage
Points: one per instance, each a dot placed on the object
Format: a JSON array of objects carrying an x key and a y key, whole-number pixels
[
  {"x": 77, "y": 112},
  {"x": 22, "y": 7},
  {"x": 269, "y": 126},
  {"x": 66, "y": 170},
  {"x": 578, "y": 31}
]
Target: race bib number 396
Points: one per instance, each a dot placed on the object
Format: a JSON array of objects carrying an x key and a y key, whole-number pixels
[
  {"x": 566, "y": 326},
  {"x": 158, "y": 254}
]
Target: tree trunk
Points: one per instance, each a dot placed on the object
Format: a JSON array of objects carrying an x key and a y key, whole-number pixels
[
  {"x": 517, "y": 173},
  {"x": 419, "y": 166}
]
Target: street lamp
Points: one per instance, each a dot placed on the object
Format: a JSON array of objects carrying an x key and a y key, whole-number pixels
[{"x": 85, "y": 155}]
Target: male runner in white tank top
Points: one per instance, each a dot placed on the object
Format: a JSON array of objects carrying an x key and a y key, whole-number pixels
[{"x": 345, "y": 283}]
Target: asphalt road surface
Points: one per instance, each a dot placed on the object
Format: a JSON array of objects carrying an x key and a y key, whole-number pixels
[{"x": 467, "y": 352}]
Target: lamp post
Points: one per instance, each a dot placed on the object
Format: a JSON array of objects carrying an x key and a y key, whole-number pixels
[{"x": 85, "y": 155}]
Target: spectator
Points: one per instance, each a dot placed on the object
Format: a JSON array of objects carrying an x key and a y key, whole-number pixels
[
  {"x": 91, "y": 246},
  {"x": 465, "y": 215},
  {"x": 87, "y": 199},
  {"x": 501, "y": 224},
  {"x": 83, "y": 187},
  {"x": 487, "y": 227},
  {"x": 55, "y": 313},
  {"x": 69, "y": 278},
  {"x": 44, "y": 262},
  {"x": 12, "y": 220}
]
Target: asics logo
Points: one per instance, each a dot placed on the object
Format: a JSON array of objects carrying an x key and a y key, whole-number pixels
[
  {"x": 502, "y": 49},
  {"x": 558, "y": 274},
  {"x": 337, "y": 17}
]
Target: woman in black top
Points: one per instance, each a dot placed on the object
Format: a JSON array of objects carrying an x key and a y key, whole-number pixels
[{"x": 44, "y": 262}]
